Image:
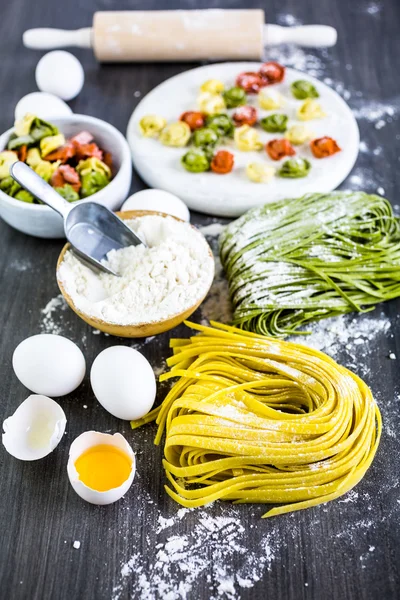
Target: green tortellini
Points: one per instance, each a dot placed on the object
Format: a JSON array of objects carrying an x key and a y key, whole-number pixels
[
  {"x": 234, "y": 97},
  {"x": 222, "y": 124},
  {"x": 68, "y": 193},
  {"x": 276, "y": 123},
  {"x": 206, "y": 136},
  {"x": 24, "y": 196},
  {"x": 95, "y": 175},
  {"x": 302, "y": 89},
  {"x": 196, "y": 160},
  {"x": 9, "y": 186},
  {"x": 295, "y": 168}
]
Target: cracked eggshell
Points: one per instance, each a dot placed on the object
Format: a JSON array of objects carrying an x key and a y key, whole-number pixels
[
  {"x": 35, "y": 429},
  {"x": 82, "y": 443}
]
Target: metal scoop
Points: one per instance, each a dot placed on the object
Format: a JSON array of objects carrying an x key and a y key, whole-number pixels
[{"x": 91, "y": 229}]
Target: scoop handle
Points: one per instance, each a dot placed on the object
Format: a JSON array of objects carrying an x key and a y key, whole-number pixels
[
  {"x": 39, "y": 188},
  {"x": 45, "y": 38}
]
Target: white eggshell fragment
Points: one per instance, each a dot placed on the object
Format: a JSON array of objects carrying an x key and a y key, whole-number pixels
[
  {"x": 45, "y": 106},
  {"x": 79, "y": 446},
  {"x": 49, "y": 364},
  {"x": 123, "y": 382},
  {"x": 158, "y": 200},
  {"x": 60, "y": 73},
  {"x": 35, "y": 429}
]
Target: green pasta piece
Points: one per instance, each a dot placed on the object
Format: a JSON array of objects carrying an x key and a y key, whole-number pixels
[
  {"x": 295, "y": 168},
  {"x": 68, "y": 193},
  {"x": 300, "y": 260},
  {"x": 275, "y": 123},
  {"x": 196, "y": 160},
  {"x": 302, "y": 89},
  {"x": 222, "y": 124},
  {"x": 234, "y": 97},
  {"x": 205, "y": 137}
]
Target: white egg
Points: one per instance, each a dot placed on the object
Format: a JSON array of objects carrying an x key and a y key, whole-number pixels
[
  {"x": 49, "y": 364},
  {"x": 79, "y": 446},
  {"x": 60, "y": 73},
  {"x": 158, "y": 200},
  {"x": 35, "y": 429},
  {"x": 123, "y": 382},
  {"x": 45, "y": 106}
]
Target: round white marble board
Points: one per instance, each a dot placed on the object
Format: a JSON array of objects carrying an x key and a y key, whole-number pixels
[{"x": 232, "y": 194}]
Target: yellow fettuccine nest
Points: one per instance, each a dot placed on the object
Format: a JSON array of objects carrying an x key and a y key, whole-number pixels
[{"x": 257, "y": 419}]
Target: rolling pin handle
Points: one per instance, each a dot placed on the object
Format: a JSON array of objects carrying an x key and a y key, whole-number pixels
[
  {"x": 49, "y": 39},
  {"x": 308, "y": 36}
]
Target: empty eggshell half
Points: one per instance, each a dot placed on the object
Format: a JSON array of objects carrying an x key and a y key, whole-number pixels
[
  {"x": 158, "y": 200},
  {"x": 35, "y": 429},
  {"x": 80, "y": 445}
]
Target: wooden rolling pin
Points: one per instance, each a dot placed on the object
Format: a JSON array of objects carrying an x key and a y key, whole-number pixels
[{"x": 179, "y": 35}]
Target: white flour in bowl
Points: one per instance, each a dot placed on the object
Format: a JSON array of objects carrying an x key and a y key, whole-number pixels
[{"x": 165, "y": 278}]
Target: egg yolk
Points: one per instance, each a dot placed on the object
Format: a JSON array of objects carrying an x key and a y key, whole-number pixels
[{"x": 103, "y": 467}]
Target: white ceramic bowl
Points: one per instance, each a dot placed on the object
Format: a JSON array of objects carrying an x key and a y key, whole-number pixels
[{"x": 40, "y": 220}]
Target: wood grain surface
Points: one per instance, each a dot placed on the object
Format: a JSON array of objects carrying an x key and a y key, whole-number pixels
[{"x": 347, "y": 549}]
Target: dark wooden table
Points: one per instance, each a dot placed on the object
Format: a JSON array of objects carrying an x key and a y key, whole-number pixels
[{"x": 348, "y": 549}]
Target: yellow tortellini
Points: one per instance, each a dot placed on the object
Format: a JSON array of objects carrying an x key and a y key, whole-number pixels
[
  {"x": 270, "y": 99},
  {"x": 211, "y": 104},
  {"x": 151, "y": 125},
  {"x": 7, "y": 158},
  {"x": 33, "y": 157},
  {"x": 310, "y": 109},
  {"x": 298, "y": 134},
  {"x": 213, "y": 86},
  {"x": 45, "y": 168},
  {"x": 23, "y": 126},
  {"x": 50, "y": 143},
  {"x": 247, "y": 139},
  {"x": 93, "y": 164},
  {"x": 259, "y": 172},
  {"x": 176, "y": 134}
]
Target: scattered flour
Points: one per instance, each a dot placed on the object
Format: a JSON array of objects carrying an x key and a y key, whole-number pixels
[
  {"x": 51, "y": 318},
  {"x": 177, "y": 565}
]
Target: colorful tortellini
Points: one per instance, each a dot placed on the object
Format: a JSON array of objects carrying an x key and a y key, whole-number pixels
[
  {"x": 295, "y": 168},
  {"x": 7, "y": 158},
  {"x": 176, "y": 134},
  {"x": 302, "y": 89},
  {"x": 151, "y": 125},
  {"x": 221, "y": 123},
  {"x": 270, "y": 99},
  {"x": 195, "y": 160},
  {"x": 298, "y": 134},
  {"x": 50, "y": 143},
  {"x": 213, "y": 86},
  {"x": 276, "y": 123},
  {"x": 211, "y": 104},
  {"x": 45, "y": 169},
  {"x": 259, "y": 172},
  {"x": 234, "y": 97},
  {"x": 247, "y": 139},
  {"x": 310, "y": 109}
]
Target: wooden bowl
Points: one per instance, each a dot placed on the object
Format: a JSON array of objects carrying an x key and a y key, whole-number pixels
[{"x": 140, "y": 329}]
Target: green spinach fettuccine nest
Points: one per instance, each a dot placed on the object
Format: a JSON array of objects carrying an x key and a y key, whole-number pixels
[{"x": 305, "y": 259}]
